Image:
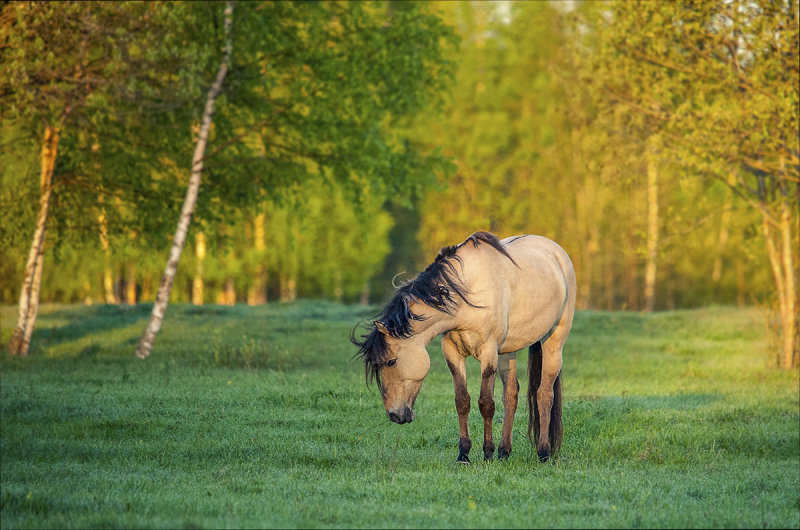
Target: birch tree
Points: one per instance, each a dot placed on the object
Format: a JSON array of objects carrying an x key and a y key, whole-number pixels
[
  {"x": 29, "y": 297},
  {"x": 162, "y": 298},
  {"x": 61, "y": 67},
  {"x": 653, "y": 230},
  {"x": 315, "y": 90}
]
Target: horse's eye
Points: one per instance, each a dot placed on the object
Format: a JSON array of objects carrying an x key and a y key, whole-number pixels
[{"x": 391, "y": 363}]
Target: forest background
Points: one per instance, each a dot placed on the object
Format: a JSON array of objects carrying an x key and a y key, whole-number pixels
[{"x": 657, "y": 142}]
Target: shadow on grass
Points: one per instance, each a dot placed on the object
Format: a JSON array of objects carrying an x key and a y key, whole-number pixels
[
  {"x": 627, "y": 402},
  {"x": 85, "y": 321}
]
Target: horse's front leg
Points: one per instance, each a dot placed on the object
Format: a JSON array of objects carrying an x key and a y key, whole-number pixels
[
  {"x": 507, "y": 367},
  {"x": 458, "y": 369},
  {"x": 488, "y": 358}
]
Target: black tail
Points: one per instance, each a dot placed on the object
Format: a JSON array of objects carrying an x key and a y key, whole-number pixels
[{"x": 556, "y": 430}]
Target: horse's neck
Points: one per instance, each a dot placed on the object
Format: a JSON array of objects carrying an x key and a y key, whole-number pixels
[{"x": 435, "y": 323}]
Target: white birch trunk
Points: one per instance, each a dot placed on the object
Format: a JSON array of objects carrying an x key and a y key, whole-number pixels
[
  {"x": 652, "y": 225},
  {"x": 33, "y": 307},
  {"x": 160, "y": 306},
  {"x": 108, "y": 276},
  {"x": 198, "y": 283},
  {"x": 722, "y": 242},
  {"x": 791, "y": 344},
  {"x": 257, "y": 294},
  {"x": 130, "y": 286},
  {"x": 229, "y": 293},
  {"x": 781, "y": 258},
  {"x": 29, "y": 296},
  {"x": 790, "y": 314}
]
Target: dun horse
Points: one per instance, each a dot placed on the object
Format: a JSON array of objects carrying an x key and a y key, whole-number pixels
[{"x": 490, "y": 298}]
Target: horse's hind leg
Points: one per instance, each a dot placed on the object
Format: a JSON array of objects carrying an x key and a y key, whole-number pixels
[
  {"x": 488, "y": 358},
  {"x": 458, "y": 369},
  {"x": 507, "y": 367},
  {"x": 547, "y": 403}
]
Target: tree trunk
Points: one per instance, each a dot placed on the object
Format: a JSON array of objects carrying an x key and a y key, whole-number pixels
[
  {"x": 130, "y": 285},
  {"x": 631, "y": 282},
  {"x": 108, "y": 276},
  {"x": 288, "y": 287},
  {"x": 608, "y": 277},
  {"x": 197, "y": 283},
  {"x": 229, "y": 294},
  {"x": 652, "y": 225},
  {"x": 722, "y": 242},
  {"x": 781, "y": 258},
  {"x": 592, "y": 245},
  {"x": 257, "y": 294},
  {"x": 160, "y": 306},
  {"x": 29, "y": 297},
  {"x": 338, "y": 292},
  {"x": 33, "y": 308},
  {"x": 791, "y": 339},
  {"x": 631, "y": 289},
  {"x": 146, "y": 282}
]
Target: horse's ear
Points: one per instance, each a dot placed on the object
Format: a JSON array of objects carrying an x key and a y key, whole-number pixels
[{"x": 380, "y": 326}]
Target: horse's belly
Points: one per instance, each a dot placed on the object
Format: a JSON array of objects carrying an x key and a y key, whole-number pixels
[
  {"x": 522, "y": 332},
  {"x": 517, "y": 342},
  {"x": 513, "y": 344}
]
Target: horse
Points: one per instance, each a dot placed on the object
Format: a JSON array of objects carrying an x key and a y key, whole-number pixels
[{"x": 488, "y": 298}]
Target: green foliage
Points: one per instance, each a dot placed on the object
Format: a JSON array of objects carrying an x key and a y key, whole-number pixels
[
  {"x": 317, "y": 238},
  {"x": 319, "y": 88},
  {"x": 105, "y": 76},
  {"x": 317, "y": 96},
  {"x": 721, "y": 77},
  {"x": 550, "y": 129},
  {"x": 671, "y": 420}
]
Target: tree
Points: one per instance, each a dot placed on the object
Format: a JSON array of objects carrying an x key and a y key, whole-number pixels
[
  {"x": 62, "y": 65},
  {"x": 546, "y": 143},
  {"x": 722, "y": 80},
  {"x": 313, "y": 94},
  {"x": 148, "y": 338}
]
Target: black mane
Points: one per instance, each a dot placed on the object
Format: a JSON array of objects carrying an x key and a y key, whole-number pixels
[{"x": 438, "y": 286}]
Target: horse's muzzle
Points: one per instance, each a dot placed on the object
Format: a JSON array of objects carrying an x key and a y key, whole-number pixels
[{"x": 404, "y": 416}]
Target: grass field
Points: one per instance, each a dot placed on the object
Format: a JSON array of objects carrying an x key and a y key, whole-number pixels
[{"x": 258, "y": 417}]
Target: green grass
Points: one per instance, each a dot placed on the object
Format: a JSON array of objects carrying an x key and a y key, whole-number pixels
[{"x": 258, "y": 417}]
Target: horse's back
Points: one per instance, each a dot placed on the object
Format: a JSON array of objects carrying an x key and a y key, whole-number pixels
[
  {"x": 541, "y": 262},
  {"x": 530, "y": 294},
  {"x": 540, "y": 251}
]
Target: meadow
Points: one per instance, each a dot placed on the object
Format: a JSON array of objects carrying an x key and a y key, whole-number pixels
[{"x": 259, "y": 417}]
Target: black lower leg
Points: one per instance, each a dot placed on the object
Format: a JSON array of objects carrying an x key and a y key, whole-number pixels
[
  {"x": 487, "y": 408},
  {"x": 488, "y": 450},
  {"x": 464, "y": 445}
]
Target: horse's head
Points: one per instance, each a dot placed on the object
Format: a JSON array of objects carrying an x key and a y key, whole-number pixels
[{"x": 398, "y": 365}]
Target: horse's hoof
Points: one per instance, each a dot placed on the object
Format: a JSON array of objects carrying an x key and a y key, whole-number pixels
[
  {"x": 502, "y": 454},
  {"x": 464, "y": 460},
  {"x": 544, "y": 456}
]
